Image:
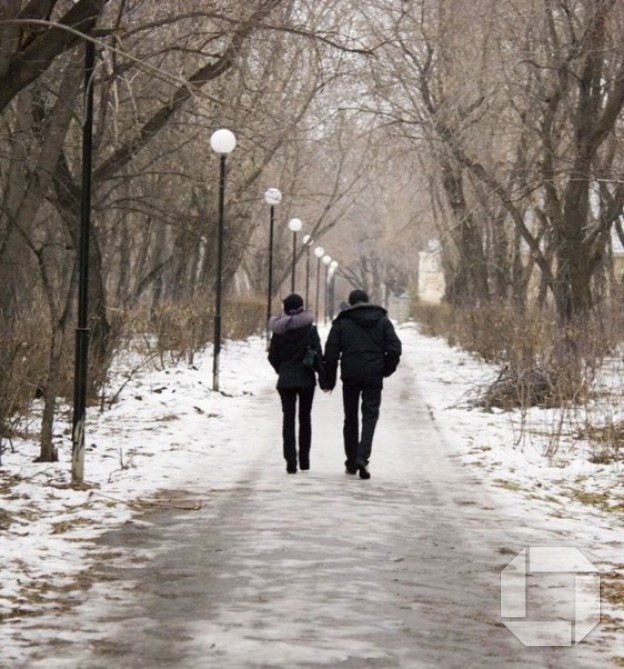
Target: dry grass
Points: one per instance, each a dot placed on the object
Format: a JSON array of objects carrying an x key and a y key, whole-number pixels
[
  {"x": 607, "y": 439},
  {"x": 171, "y": 333},
  {"x": 183, "y": 329},
  {"x": 24, "y": 351},
  {"x": 542, "y": 364},
  {"x": 435, "y": 320}
]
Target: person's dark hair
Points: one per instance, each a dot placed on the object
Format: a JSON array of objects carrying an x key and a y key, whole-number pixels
[
  {"x": 293, "y": 304},
  {"x": 357, "y": 297}
]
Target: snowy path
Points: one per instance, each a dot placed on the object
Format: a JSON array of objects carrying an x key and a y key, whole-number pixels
[{"x": 318, "y": 569}]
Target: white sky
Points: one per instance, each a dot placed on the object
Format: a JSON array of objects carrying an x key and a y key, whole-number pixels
[{"x": 168, "y": 430}]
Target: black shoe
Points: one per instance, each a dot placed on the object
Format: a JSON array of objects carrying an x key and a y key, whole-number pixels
[
  {"x": 291, "y": 469},
  {"x": 304, "y": 468},
  {"x": 351, "y": 469},
  {"x": 364, "y": 473}
]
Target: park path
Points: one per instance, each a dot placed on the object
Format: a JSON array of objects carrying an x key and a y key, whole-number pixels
[{"x": 319, "y": 569}]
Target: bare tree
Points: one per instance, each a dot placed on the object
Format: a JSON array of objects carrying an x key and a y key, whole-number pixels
[
  {"x": 38, "y": 35},
  {"x": 168, "y": 75}
]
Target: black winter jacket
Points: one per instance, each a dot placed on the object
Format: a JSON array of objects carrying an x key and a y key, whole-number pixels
[
  {"x": 363, "y": 338},
  {"x": 288, "y": 344}
]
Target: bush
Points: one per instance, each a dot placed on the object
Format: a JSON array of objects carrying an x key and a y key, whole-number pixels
[
  {"x": 435, "y": 319},
  {"x": 541, "y": 362},
  {"x": 23, "y": 367},
  {"x": 243, "y": 317},
  {"x": 182, "y": 329}
]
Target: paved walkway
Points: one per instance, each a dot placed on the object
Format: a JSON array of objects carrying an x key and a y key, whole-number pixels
[{"x": 318, "y": 569}]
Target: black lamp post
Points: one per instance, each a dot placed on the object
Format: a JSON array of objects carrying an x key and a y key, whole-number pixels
[
  {"x": 82, "y": 330},
  {"x": 272, "y": 197},
  {"x": 295, "y": 224},
  {"x": 222, "y": 142},
  {"x": 307, "y": 242},
  {"x": 333, "y": 266},
  {"x": 319, "y": 252},
  {"x": 326, "y": 261}
]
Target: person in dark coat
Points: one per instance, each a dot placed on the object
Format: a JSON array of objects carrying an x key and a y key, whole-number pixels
[
  {"x": 291, "y": 333},
  {"x": 363, "y": 339}
]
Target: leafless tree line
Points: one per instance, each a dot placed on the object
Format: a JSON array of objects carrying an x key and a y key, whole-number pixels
[
  {"x": 516, "y": 109},
  {"x": 494, "y": 125},
  {"x": 167, "y": 75}
]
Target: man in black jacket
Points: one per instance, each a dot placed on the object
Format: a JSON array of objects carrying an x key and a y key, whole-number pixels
[{"x": 362, "y": 337}]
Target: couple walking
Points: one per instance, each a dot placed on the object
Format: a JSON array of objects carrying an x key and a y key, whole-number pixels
[{"x": 363, "y": 339}]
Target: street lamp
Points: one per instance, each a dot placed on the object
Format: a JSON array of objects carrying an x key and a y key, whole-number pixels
[
  {"x": 222, "y": 143},
  {"x": 319, "y": 252},
  {"x": 326, "y": 261},
  {"x": 272, "y": 196},
  {"x": 307, "y": 243},
  {"x": 82, "y": 329},
  {"x": 295, "y": 225},
  {"x": 333, "y": 266}
]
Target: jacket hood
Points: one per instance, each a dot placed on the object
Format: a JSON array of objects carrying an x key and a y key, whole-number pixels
[
  {"x": 365, "y": 315},
  {"x": 282, "y": 324}
]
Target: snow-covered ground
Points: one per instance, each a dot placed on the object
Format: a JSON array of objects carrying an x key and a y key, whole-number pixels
[{"x": 165, "y": 424}]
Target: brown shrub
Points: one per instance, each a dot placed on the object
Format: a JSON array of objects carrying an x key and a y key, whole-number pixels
[
  {"x": 24, "y": 354},
  {"x": 435, "y": 319},
  {"x": 182, "y": 329},
  {"x": 542, "y": 363}
]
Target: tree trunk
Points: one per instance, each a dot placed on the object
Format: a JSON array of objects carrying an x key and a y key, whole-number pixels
[{"x": 470, "y": 284}]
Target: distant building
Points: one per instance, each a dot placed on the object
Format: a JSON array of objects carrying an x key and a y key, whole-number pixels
[{"x": 430, "y": 276}]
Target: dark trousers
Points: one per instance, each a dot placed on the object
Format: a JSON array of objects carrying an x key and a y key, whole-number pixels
[
  {"x": 358, "y": 448},
  {"x": 289, "y": 407}
]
